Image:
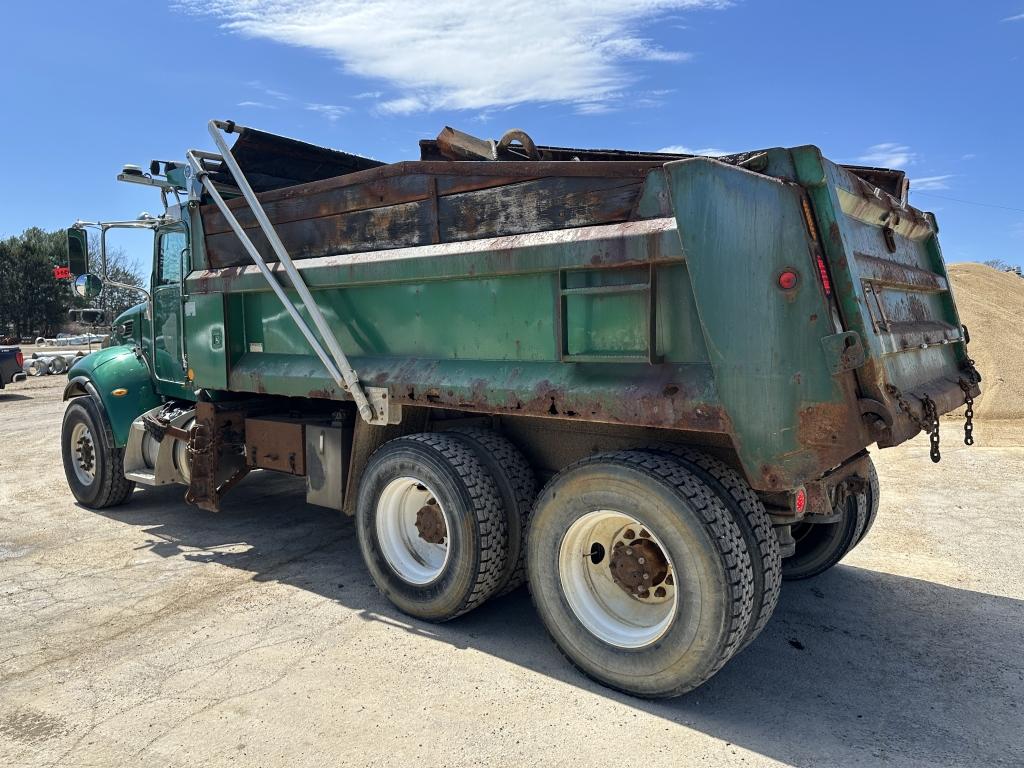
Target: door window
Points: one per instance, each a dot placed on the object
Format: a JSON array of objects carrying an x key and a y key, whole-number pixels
[{"x": 169, "y": 267}]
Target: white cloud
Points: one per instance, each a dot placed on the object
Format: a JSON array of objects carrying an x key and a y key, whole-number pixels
[
  {"x": 258, "y": 104},
  {"x": 968, "y": 156},
  {"x": 269, "y": 91},
  {"x": 1018, "y": 17},
  {"x": 928, "y": 183},
  {"x": 442, "y": 55},
  {"x": 331, "y": 111},
  {"x": 679, "y": 149},
  {"x": 888, "y": 155}
]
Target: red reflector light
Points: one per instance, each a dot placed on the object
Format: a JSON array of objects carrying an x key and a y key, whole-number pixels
[
  {"x": 823, "y": 273},
  {"x": 800, "y": 501},
  {"x": 787, "y": 280},
  {"x": 19, "y": 358}
]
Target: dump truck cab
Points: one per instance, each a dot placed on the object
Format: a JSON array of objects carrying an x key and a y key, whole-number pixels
[{"x": 690, "y": 354}]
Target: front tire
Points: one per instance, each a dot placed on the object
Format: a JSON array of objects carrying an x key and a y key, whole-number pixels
[
  {"x": 639, "y": 573},
  {"x": 431, "y": 526},
  {"x": 93, "y": 464}
]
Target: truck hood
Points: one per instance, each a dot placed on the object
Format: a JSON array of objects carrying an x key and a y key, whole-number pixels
[{"x": 95, "y": 360}]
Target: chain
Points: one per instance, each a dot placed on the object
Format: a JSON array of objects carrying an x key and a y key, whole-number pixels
[
  {"x": 966, "y": 384},
  {"x": 932, "y": 419},
  {"x": 968, "y": 412},
  {"x": 905, "y": 407}
]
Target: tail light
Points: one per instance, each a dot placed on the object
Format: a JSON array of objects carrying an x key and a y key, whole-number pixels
[
  {"x": 823, "y": 273},
  {"x": 19, "y": 358},
  {"x": 800, "y": 500}
]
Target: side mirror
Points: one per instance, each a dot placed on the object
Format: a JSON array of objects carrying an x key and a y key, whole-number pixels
[
  {"x": 78, "y": 251},
  {"x": 88, "y": 286},
  {"x": 87, "y": 316}
]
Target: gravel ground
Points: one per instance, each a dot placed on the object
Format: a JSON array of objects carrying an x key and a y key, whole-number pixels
[{"x": 157, "y": 634}]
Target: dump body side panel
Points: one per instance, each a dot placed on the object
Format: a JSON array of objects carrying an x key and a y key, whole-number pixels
[{"x": 482, "y": 326}]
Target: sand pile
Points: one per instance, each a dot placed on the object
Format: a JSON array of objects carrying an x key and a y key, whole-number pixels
[{"x": 991, "y": 305}]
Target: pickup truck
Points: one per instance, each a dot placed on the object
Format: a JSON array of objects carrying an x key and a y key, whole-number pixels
[
  {"x": 643, "y": 383},
  {"x": 11, "y": 362}
]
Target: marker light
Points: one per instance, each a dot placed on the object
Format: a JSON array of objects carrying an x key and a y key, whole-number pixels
[
  {"x": 800, "y": 501},
  {"x": 787, "y": 280}
]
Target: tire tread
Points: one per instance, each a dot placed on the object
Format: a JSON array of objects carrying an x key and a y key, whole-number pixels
[
  {"x": 487, "y": 507},
  {"x": 507, "y": 459},
  {"x": 753, "y": 519},
  {"x": 723, "y": 531}
]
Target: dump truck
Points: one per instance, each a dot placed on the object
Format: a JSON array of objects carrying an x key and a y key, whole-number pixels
[{"x": 644, "y": 384}]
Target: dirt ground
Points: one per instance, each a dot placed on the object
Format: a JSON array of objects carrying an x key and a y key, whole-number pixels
[{"x": 157, "y": 634}]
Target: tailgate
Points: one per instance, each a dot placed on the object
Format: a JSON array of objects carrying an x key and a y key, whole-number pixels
[{"x": 891, "y": 287}]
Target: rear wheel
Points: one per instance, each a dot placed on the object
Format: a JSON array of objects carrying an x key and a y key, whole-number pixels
[
  {"x": 93, "y": 464},
  {"x": 754, "y": 524},
  {"x": 819, "y": 546},
  {"x": 431, "y": 526},
  {"x": 871, "y": 491},
  {"x": 639, "y": 573}
]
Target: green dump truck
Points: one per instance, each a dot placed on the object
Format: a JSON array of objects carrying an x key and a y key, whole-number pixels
[{"x": 642, "y": 383}]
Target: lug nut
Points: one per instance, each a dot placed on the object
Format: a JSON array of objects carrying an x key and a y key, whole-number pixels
[{"x": 641, "y": 560}]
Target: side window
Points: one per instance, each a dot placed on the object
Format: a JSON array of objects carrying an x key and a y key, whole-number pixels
[{"x": 169, "y": 268}]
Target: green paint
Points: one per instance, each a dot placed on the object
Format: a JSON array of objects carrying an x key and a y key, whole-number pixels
[
  {"x": 567, "y": 323},
  {"x": 119, "y": 368}
]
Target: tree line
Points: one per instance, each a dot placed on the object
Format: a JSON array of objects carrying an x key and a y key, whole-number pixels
[{"x": 33, "y": 302}]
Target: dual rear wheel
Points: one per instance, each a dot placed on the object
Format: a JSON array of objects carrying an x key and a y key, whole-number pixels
[
  {"x": 647, "y": 571},
  {"x": 441, "y": 520}
]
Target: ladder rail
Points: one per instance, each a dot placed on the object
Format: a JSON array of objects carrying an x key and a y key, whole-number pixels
[{"x": 335, "y": 361}]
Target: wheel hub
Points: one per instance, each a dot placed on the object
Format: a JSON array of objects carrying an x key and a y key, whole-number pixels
[
  {"x": 430, "y": 523},
  {"x": 638, "y": 566},
  {"x": 85, "y": 453}
]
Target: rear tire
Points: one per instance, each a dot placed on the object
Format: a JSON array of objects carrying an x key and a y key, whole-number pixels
[
  {"x": 819, "y": 546},
  {"x": 872, "y": 491},
  {"x": 93, "y": 464},
  {"x": 431, "y": 526},
  {"x": 518, "y": 488},
  {"x": 589, "y": 587},
  {"x": 754, "y": 524}
]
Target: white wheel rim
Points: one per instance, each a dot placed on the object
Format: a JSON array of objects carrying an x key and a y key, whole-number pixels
[
  {"x": 83, "y": 452},
  {"x": 414, "y": 558},
  {"x": 613, "y": 612}
]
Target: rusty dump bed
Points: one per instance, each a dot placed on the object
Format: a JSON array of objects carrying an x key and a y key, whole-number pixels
[{"x": 771, "y": 301}]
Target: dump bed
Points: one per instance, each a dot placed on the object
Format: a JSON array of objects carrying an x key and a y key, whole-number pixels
[{"x": 772, "y": 304}]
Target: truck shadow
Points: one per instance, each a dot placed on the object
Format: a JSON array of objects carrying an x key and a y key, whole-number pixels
[
  {"x": 855, "y": 666},
  {"x": 12, "y": 396}
]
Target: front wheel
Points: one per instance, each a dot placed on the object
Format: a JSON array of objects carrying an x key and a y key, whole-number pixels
[
  {"x": 639, "y": 573},
  {"x": 93, "y": 464}
]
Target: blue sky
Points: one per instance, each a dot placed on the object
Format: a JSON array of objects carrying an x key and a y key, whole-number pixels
[{"x": 932, "y": 87}]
